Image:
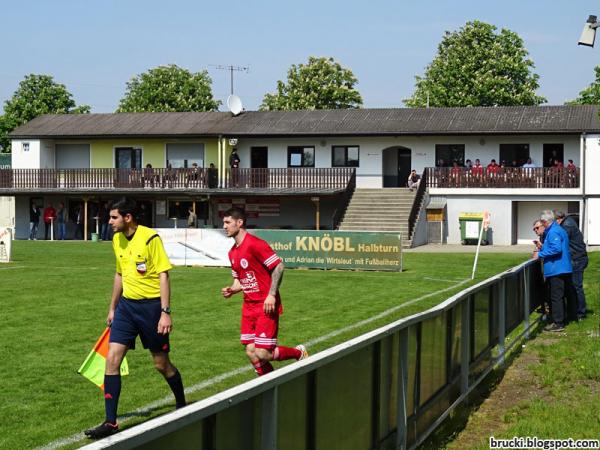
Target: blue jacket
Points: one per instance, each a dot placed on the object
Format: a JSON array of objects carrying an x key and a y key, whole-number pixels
[{"x": 555, "y": 251}]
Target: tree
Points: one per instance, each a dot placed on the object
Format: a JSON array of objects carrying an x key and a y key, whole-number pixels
[
  {"x": 320, "y": 84},
  {"x": 169, "y": 88},
  {"x": 36, "y": 95},
  {"x": 591, "y": 94},
  {"x": 476, "y": 66}
]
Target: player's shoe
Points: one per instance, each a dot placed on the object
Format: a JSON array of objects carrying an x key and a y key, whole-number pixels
[
  {"x": 303, "y": 352},
  {"x": 101, "y": 431}
]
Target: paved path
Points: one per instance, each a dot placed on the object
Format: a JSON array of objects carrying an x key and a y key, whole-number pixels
[{"x": 457, "y": 248}]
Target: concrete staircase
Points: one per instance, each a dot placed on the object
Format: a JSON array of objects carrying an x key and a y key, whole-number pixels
[{"x": 380, "y": 210}]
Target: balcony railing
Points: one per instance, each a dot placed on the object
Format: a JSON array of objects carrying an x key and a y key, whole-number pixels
[
  {"x": 182, "y": 179},
  {"x": 507, "y": 177}
]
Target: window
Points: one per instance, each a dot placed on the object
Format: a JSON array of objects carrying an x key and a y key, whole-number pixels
[
  {"x": 25, "y": 146},
  {"x": 344, "y": 156},
  {"x": 514, "y": 155},
  {"x": 184, "y": 155},
  {"x": 446, "y": 154},
  {"x": 301, "y": 157}
]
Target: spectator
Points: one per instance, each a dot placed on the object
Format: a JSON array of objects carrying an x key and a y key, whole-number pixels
[
  {"x": 34, "y": 221},
  {"x": 148, "y": 176},
  {"x": 468, "y": 164},
  {"x": 192, "y": 218},
  {"x": 477, "y": 168},
  {"x": 49, "y": 218},
  {"x": 79, "y": 222},
  {"x": 234, "y": 163},
  {"x": 571, "y": 166},
  {"x": 538, "y": 229},
  {"x": 579, "y": 261},
  {"x": 61, "y": 218},
  {"x": 529, "y": 164},
  {"x": 493, "y": 167},
  {"x": 413, "y": 180},
  {"x": 104, "y": 215},
  {"x": 557, "y": 267},
  {"x": 212, "y": 176},
  {"x": 455, "y": 173},
  {"x": 194, "y": 174}
]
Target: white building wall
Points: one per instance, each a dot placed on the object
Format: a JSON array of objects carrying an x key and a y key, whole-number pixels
[
  {"x": 369, "y": 173},
  {"x": 500, "y": 209},
  {"x": 29, "y": 159},
  {"x": 527, "y": 212},
  {"x": 592, "y": 163}
]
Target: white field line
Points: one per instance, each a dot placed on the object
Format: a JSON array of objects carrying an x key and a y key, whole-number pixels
[
  {"x": 12, "y": 267},
  {"x": 224, "y": 376}
]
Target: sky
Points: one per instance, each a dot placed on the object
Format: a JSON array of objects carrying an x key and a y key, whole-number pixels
[{"x": 95, "y": 47}]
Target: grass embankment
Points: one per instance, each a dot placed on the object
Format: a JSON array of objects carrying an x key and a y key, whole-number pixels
[{"x": 549, "y": 389}]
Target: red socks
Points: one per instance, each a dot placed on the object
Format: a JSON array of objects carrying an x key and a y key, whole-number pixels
[
  {"x": 282, "y": 353},
  {"x": 262, "y": 368}
]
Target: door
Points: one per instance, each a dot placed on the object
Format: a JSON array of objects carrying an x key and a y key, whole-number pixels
[
  {"x": 259, "y": 163},
  {"x": 128, "y": 161},
  {"x": 553, "y": 152},
  {"x": 396, "y": 166},
  {"x": 404, "y": 166}
]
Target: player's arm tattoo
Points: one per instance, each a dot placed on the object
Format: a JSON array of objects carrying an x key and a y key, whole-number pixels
[{"x": 276, "y": 277}]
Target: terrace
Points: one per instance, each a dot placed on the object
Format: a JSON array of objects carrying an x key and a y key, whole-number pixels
[
  {"x": 507, "y": 177},
  {"x": 203, "y": 180}
]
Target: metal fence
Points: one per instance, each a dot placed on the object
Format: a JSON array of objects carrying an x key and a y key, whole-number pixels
[{"x": 389, "y": 388}]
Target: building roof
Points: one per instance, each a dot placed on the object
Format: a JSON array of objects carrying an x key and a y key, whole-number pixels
[{"x": 342, "y": 122}]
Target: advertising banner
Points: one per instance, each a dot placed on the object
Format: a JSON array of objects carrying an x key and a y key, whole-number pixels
[
  {"x": 336, "y": 249},
  {"x": 298, "y": 248}
]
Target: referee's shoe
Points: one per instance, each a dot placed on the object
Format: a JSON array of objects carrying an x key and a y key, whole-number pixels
[{"x": 102, "y": 430}]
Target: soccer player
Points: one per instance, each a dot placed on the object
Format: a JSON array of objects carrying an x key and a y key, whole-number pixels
[
  {"x": 257, "y": 271},
  {"x": 140, "y": 305}
]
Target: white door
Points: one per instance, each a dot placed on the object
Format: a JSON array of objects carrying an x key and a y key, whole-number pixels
[{"x": 593, "y": 221}]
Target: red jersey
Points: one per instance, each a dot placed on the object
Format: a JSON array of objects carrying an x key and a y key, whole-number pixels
[{"x": 251, "y": 263}]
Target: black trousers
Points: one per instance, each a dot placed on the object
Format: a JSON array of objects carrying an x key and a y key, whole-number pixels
[{"x": 559, "y": 285}]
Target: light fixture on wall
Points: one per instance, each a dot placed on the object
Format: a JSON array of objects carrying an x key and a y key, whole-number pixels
[
  {"x": 233, "y": 142},
  {"x": 482, "y": 141}
]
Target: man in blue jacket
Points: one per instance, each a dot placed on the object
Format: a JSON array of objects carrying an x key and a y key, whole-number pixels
[
  {"x": 557, "y": 267},
  {"x": 579, "y": 260}
]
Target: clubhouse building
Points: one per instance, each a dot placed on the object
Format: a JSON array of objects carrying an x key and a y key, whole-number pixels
[{"x": 330, "y": 169}]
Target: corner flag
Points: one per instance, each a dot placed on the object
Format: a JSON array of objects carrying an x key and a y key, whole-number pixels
[{"x": 93, "y": 366}]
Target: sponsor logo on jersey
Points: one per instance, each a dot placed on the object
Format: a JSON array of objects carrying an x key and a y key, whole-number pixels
[{"x": 249, "y": 282}]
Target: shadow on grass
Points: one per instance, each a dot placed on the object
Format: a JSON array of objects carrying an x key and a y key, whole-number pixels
[{"x": 456, "y": 422}]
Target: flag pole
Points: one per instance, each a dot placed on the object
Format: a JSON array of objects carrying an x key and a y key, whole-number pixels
[{"x": 485, "y": 223}]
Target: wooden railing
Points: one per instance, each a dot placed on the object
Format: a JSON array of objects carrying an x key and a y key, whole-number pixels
[
  {"x": 205, "y": 178},
  {"x": 416, "y": 206},
  {"x": 508, "y": 177},
  {"x": 342, "y": 206}
]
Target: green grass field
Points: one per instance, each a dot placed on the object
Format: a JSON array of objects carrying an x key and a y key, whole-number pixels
[{"x": 54, "y": 303}]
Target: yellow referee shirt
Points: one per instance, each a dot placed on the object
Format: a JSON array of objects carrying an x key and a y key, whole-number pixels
[{"x": 139, "y": 261}]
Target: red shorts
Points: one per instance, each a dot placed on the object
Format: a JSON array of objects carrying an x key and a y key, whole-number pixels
[{"x": 259, "y": 328}]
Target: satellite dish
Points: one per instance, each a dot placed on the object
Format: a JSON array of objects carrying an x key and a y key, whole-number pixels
[{"x": 234, "y": 103}]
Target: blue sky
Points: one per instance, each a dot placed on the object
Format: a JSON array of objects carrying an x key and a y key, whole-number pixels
[{"x": 95, "y": 47}]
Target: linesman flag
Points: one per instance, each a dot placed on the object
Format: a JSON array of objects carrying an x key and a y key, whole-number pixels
[{"x": 93, "y": 366}]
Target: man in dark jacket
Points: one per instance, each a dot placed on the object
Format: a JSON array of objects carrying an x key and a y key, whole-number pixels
[
  {"x": 557, "y": 267},
  {"x": 579, "y": 260}
]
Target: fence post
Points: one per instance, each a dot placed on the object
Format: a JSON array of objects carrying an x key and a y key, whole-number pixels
[
  {"x": 465, "y": 345},
  {"x": 402, "y": 413},
  {"x": 269, "y": 420},
  {"x": 526, "y": 299},
  {"x": 501, "y": 320}
]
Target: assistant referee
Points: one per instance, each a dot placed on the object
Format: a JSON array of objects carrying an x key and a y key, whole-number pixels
[{"x": 140, "y": 305}]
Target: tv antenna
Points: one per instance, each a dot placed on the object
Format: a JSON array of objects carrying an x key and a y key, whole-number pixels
[{"x": 231, "y": 70}]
